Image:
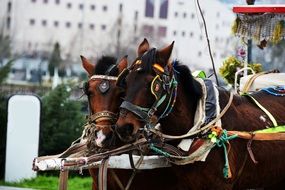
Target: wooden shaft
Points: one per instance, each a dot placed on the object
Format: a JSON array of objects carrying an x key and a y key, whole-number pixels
[{"x": 63, "y": 177}]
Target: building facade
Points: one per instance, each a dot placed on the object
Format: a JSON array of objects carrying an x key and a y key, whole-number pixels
[{"x": 96, "y": 27}]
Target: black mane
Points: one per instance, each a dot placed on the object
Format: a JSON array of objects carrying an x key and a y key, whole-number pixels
[
  {"x": 148, "y": 59},
  {"x": 104, "y": 64},
  {"x": 186, "y": 79}
]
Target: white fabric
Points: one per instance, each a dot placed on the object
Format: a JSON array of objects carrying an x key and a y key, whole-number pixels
[
  {"x": 263, "y": 81},
  {"x": 200, "y": 116}
]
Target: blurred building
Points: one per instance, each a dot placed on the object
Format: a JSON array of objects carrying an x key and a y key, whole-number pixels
[{"x": 96, "y": 27}]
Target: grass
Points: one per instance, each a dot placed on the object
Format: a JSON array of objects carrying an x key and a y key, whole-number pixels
[{"x": 51, "y": 183}]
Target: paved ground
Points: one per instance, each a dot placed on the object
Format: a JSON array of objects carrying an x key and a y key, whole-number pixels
[{"x": 13, "y": 188}]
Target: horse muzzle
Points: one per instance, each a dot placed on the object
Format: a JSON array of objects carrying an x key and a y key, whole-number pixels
[{"x": 125, "y": 132}]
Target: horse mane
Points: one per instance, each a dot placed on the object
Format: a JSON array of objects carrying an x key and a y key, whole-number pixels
[
  {"x": 104, "y": 63},
  {"x": 190, "y": 85}
]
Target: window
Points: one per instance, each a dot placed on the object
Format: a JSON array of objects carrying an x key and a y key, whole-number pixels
[
  {"x": 121, "y": 7},
  {"x": 217, "y": 26},
  {"x": 148, "y": 30},
  {"x": 191, "y": 34},
  {"x": 45, "y": 1},
  {"x": 192, "y": 15},
  {"x": 91, "y": 26},
  {"x": 119, "y": 34},
  {"x": 218, "y": 14},
  {"x": 33, "y": 1},
  {"x": 8, "y": 24},
  {"x": 183, "y": 33},
  {"x": 162, "y": 31},
  {"x": 57, "y": 2},
  {"x": 105, "y": 8},
  {"x": 32, "y": 21},
  {"x": 201, "y": 37},
  {"x": 80, "y": 25},
  {"x": 9, "y": 7},
  {"x": 216, "y": 39},
  {"x": 67, "y": 24},
  {"x": 199, "y": 54},
  {"x": 44, "y": 22},
  {"x": 81, "y": 6},
  {"x": 149, "y": 8},
  {"x": 55, "y": 23},
  {"x": 69, "y": 5},
  {"x": 92, "y": 7},
  {"x": 184, "y": 15},
  {"x": 163, "y": 11},
  {"x": 135, "y": 28},
  {"x": 176, "y": 14},
  {"x": 174, "y": 33},
  {"x": 136, "y": 15},
  {"x": 103, "y": 27}
]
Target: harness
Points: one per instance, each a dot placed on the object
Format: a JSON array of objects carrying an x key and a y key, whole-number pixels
[
  {"x": 163, "y": 88},
  {"x": 104, "y": 86}
]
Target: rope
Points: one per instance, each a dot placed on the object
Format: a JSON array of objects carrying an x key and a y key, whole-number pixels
[
  {"x": 221, "y": 142},
  {"x": 263, "y": 109}
]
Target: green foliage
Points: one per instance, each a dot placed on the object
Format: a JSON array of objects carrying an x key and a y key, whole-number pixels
[
  {"x": 3, "y": 132},
  {"x": 231, "y": 65},
  {"x": 51, "y": 183},
  {"x": 5, "y": 47},
  {"x": 5, "y": 70},
  {"x": 62, "y": 121}
]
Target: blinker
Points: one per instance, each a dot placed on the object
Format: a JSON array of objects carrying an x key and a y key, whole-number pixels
[
  {"x": 121, "y": 81},
  {"x": 156, "y": 87},
  {"x": 104, "y": 86},
  {"x": 158, "y": 68}
]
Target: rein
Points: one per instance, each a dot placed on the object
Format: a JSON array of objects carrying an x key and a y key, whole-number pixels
[{"x": 192, "y": 133}]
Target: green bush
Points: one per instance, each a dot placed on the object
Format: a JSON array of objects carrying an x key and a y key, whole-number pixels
[
  {"x": 3, "y": 132},
  {"x": 61, "y": 121},
  {"x": 231, "y": 65}
]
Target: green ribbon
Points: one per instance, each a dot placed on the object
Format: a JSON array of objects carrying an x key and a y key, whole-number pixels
[
  {"x": 221, "y": 142},
  {"x": 278, "y": 129}
]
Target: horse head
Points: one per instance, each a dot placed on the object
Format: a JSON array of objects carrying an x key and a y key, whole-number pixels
[
  {"x": 150, "y": 90},
  {"x": 104, "y": 98}
]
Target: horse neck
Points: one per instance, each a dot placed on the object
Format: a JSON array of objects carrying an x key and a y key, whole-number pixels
[{"x": 181, "y": 119}]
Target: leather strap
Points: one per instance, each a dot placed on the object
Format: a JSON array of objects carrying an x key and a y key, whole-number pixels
[
  {"x": 137, "y": 110},
  {"x": 102, "y": 176}
]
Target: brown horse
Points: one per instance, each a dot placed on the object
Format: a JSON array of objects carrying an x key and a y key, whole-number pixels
[
  {"x": 142, "y": 105},
  {"x": 108, "y": 101},
  {"x": 104, "y": 98}
]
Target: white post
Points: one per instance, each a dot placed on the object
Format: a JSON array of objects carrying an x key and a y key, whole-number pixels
[{"x": 22, "y": 137}]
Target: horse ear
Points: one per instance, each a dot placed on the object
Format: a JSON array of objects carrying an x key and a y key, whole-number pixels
[
  {"x": 165, "y": 53},
  {"x": 89, "y": 67},
  {"x": 143, "y": 47},
  {"x": 123, "y": 63}
]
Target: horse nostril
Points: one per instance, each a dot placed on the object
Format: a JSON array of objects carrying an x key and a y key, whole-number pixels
[
  {"x": 125, "y": 130},
  {"x": 129, "y": 129}
]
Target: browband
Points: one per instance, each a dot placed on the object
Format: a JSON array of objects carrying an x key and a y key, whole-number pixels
[{"x": 94, "y": 77}]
